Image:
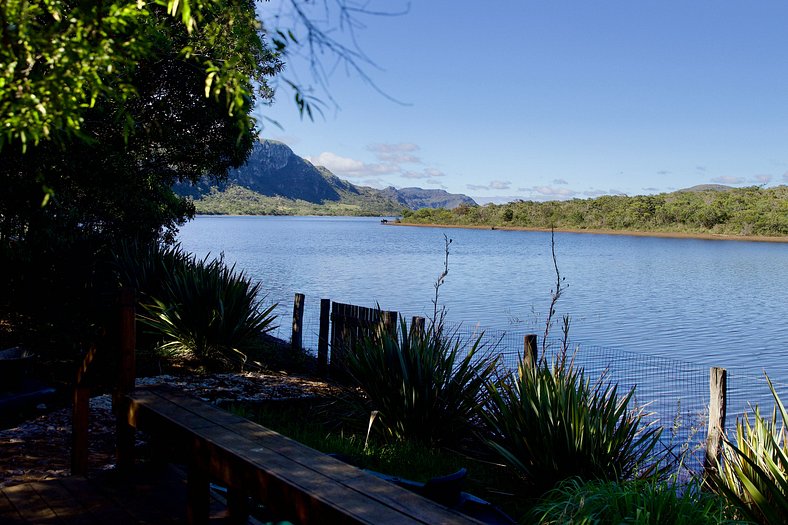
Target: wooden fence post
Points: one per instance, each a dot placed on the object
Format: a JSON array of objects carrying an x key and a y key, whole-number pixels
[
  {"x": 127, "y": 343},
  {"x": 296, "y": 341},
  {"x": 529, "y": 351},
  {"x": 718, "y": 387},
  {"x": 389, "y": 320},
  {"x": 417, "y": 326},
  {"x": 323, "y": 338}
]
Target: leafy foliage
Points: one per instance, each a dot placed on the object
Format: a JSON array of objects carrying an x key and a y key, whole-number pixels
[
  {"x": 549, "y": 423},
  {"x": 736, "y": 211},
  {"x": 109, "y": 176},
  {"x": 425, "y": 386},
  {"x": 753, "y": 473},
  {"x": 199, "y": 307},
  {"x": 61, "y": 58},
  {"x": 639, "y": 502}
]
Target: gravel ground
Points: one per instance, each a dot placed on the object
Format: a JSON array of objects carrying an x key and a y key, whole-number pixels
[{"x": 39, "y": 449}]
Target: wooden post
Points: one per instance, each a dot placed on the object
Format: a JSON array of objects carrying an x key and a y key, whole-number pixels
[
  {"x": 198, "y": 486},
  {"x": 80, "y": 416},
  {"x": 718, "y": 387},
  {"x": 389, "y": 320},
  {"x": 529, "y": 351},
  {"x": 127, "y": 342},
  {"x": 417, "y": 327},
  {"x": 296, "y": 341},
  {"x": 323, "y": 338}
]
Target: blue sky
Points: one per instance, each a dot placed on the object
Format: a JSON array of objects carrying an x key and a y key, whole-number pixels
[{"x": 556, "y": 99}]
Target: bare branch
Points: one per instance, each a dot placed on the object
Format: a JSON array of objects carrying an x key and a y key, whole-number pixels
[
  {"x": 324, "y": 35},
  {"x": 555, "y": 295}
]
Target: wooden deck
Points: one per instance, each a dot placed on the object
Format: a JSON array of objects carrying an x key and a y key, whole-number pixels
[
  {"x": 149, "y": 497},
  {"x": 295, "y": 482}
]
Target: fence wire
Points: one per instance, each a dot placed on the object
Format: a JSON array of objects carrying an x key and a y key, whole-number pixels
[{"x": 674, "y": 393}]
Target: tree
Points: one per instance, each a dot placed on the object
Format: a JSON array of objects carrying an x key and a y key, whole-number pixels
[
  {"x": 161, "y": 111},
  {"x": 103, "y": 106},
  {"x": 61, "y": 57}
]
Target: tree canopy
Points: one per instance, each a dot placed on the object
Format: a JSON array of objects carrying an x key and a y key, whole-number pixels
[
  {"x": 104, "y": 107},
  {"x": 62, "y": 57},
  {"x": 734, "y": 211}
]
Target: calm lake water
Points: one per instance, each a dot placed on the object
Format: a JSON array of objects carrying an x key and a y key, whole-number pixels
[{"x": 719, "y": 303}]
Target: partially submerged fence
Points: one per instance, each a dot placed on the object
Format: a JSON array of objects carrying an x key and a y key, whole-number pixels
[{"x": 691, "y": 402}]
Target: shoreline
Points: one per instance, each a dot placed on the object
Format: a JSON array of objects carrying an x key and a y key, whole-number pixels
[{"x": 630, "y": 233}]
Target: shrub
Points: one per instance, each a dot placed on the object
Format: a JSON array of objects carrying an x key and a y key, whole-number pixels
[
  {"x": 637, "y": 502},
  {"x": 145, "y": 267},
  {"x": 753, "y": 473},
  {"x": 549, "y": 423},
  {"x": 199, "y": 307},
  {"x": 425, "y": 386}
]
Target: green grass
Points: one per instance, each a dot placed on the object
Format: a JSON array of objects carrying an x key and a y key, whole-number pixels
[
  {"x": 642, "y": 502},
  {"x": 325, "y": 425}
]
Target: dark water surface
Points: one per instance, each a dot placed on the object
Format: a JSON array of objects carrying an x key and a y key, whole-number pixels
[{"x": 720, "y": 303}]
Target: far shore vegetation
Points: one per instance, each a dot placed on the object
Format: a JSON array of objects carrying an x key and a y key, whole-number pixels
[
  {"x": 751, "y": 212},
  {"x": 237, "y": 200}
]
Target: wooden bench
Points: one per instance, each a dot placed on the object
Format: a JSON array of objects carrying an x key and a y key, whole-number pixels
[{"x": 295, "y": 482}]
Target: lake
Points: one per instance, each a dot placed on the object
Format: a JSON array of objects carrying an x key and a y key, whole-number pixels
[
  {"x": 720, "y": 303},
  {"x": 649, "y": 313}
]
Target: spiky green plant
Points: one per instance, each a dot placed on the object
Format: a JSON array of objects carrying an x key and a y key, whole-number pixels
[
  {"x": 753, "y": 472},
  {"x": 199, "y": 307},
  {"x": 639, "y": 502},
  {"x": 209, "y": 310},
  {"x": 146, "y": 266},
  {"x": 425, "y": 386},
  {"x": 549, "y": 423}
]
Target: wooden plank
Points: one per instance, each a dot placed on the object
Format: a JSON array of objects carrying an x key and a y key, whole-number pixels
[
  {"x": 68, "y": 510},
  {"x": 360, "y": 482},
  {"x": 296, "y": 338},
  {"x": 30, "y": 506},
  {"x": 96, "y": 504},
  {"x": 292, "y": 452},
  {"x": 8, "y": 512},
  {"x": 293, "y": 491},
  {"x": 152, "y": 494},
  {"x": 306, "y": 482},
  {"x": 166, "y": 411},
  {"x": 529, "y": 351},
  {"x": 323, "y": 337}
]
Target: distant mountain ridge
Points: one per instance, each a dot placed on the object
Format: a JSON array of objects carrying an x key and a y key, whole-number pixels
[
  {"x": 276, "y": 180},
  {"x": 416, "y": 198},
  {"x": 706, "y": 187}
]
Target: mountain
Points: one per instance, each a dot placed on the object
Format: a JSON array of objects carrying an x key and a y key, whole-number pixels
[
  {"x": 277, "y": 181},
  {"x": 706, "y": 187},
  {"x": 416, "y": 198}
]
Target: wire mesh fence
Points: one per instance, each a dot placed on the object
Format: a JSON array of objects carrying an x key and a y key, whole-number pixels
[{"x": 674, "y": 393}]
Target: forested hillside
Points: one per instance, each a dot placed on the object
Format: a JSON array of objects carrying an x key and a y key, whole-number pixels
[
  {"x": 238, "y": 200},
  {"x": 733, "y": 211}
]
